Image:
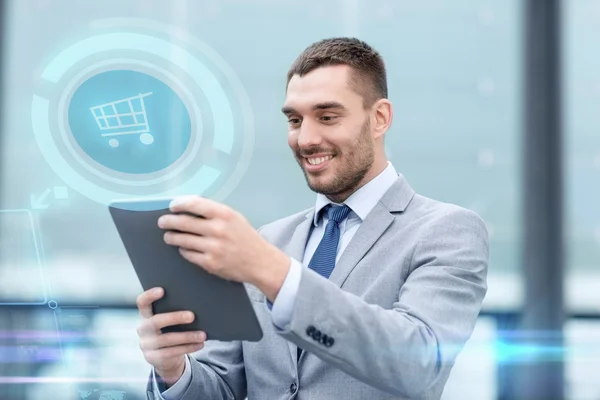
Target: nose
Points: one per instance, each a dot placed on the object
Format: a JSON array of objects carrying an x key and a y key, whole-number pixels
[{"x": 309, "y": 135}]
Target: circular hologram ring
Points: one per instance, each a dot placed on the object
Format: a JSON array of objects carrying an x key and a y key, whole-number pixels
[{"x": 224, "y": 135}]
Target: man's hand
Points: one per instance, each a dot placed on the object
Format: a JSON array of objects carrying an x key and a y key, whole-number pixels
[
  {"x": 166, "y": 351},
  {"x": 220, "y": 240}
]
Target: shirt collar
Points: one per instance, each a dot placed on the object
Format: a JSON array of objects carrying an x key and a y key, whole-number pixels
[{"x": 364, "y": 199}]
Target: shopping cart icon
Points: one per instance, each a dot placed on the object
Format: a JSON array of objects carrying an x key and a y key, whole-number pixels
[{"x": 124, "y": 117}]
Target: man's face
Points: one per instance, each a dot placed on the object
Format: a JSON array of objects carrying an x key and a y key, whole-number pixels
[{"x": 329, "y": 131}]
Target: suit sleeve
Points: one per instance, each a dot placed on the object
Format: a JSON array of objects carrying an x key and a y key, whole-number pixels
[
  {"x": 407, "y": 349},
  {"x": 177, "y": 390},
  {"x": 216, "y": 372}
]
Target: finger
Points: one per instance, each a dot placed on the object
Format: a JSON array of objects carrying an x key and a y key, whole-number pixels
[
  {"x": 186, "y": 240},
  {"x": 153, "y": 325},
  {"x": 195, "y": 257},
  {"x": 159, "y": 321},
  {"x": 197, "y": 205},
  {"x": 184, "y": 223},
  {"x": 144, "y": 301},
  {"x": 146, "y": 328},
  {"x": 172, "y": 339},
  {"x": 157, "y": 357}
]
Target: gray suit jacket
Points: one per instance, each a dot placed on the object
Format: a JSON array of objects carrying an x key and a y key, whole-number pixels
[{"x": 388, "y": 324}]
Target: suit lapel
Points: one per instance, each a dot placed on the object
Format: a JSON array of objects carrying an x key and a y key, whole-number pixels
[
  {"x": 368, "y": 233},
  {"x": 396, "y": 199},
  {"x": 295, "y": 249},
  {"x": 297, "y": 244}
]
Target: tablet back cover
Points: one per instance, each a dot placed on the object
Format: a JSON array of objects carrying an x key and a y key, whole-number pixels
[{"x": 222, "y": 308}]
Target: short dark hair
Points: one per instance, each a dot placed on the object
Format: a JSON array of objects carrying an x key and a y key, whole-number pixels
[{"x": 368, "y": 78}]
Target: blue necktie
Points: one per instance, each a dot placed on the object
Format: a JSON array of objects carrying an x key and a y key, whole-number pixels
[{"x": 323, "y": 261}]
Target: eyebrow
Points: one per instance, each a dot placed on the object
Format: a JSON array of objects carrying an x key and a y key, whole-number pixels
[{"x": 319, "y": 106}]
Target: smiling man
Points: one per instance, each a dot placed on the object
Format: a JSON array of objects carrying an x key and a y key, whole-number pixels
[{"x": 369, "y": 294}]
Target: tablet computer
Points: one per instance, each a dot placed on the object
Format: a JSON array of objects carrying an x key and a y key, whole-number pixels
[{"x": 221, "y": 307}]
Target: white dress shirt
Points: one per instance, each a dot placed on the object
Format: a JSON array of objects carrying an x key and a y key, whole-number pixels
[{"x": 361, "y": 203}]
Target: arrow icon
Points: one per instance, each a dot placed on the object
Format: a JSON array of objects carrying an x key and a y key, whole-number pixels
[
  {"x": 41, "y": 202},
  {"x": 37, "y": 203}
]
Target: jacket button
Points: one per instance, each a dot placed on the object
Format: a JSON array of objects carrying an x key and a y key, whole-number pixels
[
  {"x": 316, "y": 335},
  {"x": 310, "y": 330},
  {"x": 329, "y": 342},
  {"x": 293, "y": 388},
  {"x": 324, "y": 339}
]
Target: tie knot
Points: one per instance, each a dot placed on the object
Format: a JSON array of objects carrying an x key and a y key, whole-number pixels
[{"x": 338, "y": 213}]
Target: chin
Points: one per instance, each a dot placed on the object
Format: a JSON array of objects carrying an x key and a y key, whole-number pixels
[
  {"x": 318, "y": 186},
  {"x": 315, "y": 185}
]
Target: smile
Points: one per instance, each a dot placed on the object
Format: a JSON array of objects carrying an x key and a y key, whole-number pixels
[{"x": 317, "y": 163}]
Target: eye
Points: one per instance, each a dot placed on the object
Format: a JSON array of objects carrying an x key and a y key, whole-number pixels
[
  {"x": 328, "y": 118},
  {"x": 294, "y": 121}
]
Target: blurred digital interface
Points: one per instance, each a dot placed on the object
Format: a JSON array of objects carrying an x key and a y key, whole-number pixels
[{"x": 119, "y": 100}]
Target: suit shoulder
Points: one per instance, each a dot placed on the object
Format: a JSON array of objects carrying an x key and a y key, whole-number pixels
[
  {"x": 448, "y": 232},
  {"x": 435, "y": 214}
]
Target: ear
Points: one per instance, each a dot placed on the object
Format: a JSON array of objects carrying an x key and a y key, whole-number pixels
[{"x": 382, "y": 115}]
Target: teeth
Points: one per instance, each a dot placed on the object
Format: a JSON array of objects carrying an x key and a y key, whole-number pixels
[{"x": 317, "y": 161}]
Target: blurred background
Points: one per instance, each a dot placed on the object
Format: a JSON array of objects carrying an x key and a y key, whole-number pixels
[{"x": 497, "y": 109}]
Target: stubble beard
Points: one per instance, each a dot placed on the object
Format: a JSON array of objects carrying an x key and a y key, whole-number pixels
[{"x": 352, "y": 167}]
